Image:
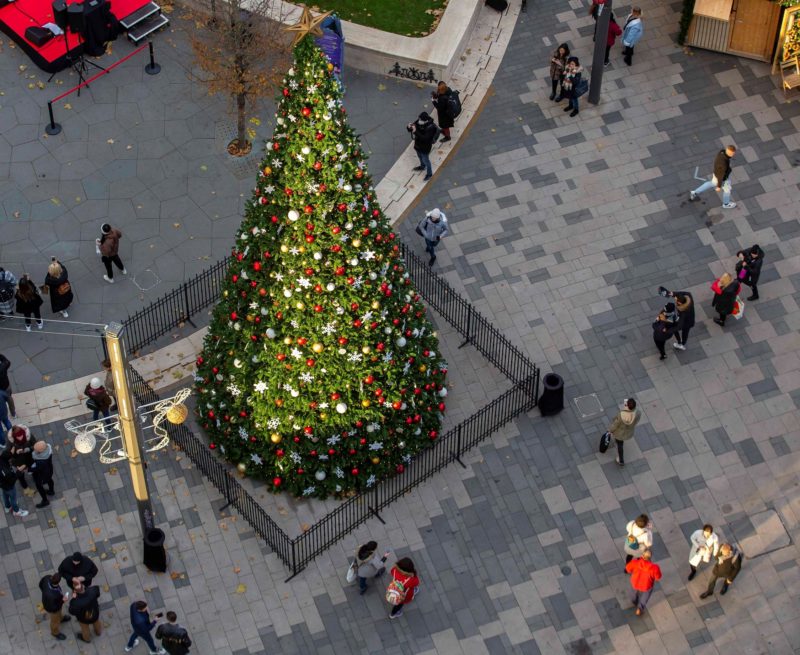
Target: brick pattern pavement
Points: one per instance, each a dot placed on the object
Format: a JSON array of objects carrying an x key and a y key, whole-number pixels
[{"x": 562, "y": 231}]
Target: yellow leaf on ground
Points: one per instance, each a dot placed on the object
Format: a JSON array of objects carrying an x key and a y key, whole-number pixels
[
  {"x": 241, "y": 588},
  {"x": 63, "y": 513}
]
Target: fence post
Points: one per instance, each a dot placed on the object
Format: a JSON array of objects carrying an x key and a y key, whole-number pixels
[
  {"x": 457, "y": 454},
  {"x": 186, "y": 313},
  {"x": 227, "y": 492},
  {"x": 469, "y": 328},
  {"x": 375, "y": 506},
  {"x": 53, "y": 128}
]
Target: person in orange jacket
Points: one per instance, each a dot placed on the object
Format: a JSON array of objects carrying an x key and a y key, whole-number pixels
[
  {"x": 403, "y": 586},
  {"x": 644, "y": 575}
]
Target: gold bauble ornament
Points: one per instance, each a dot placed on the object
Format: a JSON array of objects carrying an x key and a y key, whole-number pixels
[
  {"x": 267, "y": 170},
  {"x": 366, "y": 350},
  {"x": 323, "y": 415},
  {"x": 300, "y": 306},
  {"x": 177, "y": 414},
  {"x": 375, "y": 304},
  {"x": 302, "y": 248},
  {"x": 365, "y": 403},
  {"x": 317, "y": 348},
  {"x": 230, "y": 353},
  {"x": 275, "y": 437},
  {"x": 241, "y": 467},
  {"x": 250, "y": 318},
  {"x": 356, "y": 243},
  {"x": 423, "y": 368},
  {"x": 287, "y": 340},
  {"x": 376, "y": 460},
  {"x": 284, "y": 248},
  {"x": 225, "y": 293}
]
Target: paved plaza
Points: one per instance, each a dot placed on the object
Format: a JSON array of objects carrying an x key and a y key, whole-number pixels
[{"x": 563, "y": 229}]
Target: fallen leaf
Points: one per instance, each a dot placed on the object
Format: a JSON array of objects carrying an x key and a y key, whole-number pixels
[
  {"x": 110, "y": 142},
  {"x": 97, "y": 530},
  {"x": 237, "y": 570},
  {"x": 63, "y": 514},
  {"x": 67, "y": 106},
  {"x": 73, "y": 454},
  {"x": 241, "y": 588}
]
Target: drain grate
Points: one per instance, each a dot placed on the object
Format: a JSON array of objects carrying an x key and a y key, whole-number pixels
[
  {"x": 588, "y": 406},
  {"x": 146, "y": 280}
]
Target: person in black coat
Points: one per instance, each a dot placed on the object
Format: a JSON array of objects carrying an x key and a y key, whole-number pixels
[
  {"x": 570, "y": 83},
  {"x": 684, "y": 303},
  {"x": 85, "y": 607},
  {"x": 725, "y": 292},
  {"x": 424, "y": 133},
  {"x": 77, "y": 567},
  {"x": 5, "y": 385},
  {"x": 750, "y": 261},
  {"x": 29, "y": 302},
  {"x": 174, "y": 638},
  {"x": 664, "y": 327},
  {"x": 59, "y": 288},
  {"x": 441, "y": 100},
  {"x": 42, "y": 470},
  {"x": 20, "y": 447},
  {"x": 727, "y": 566},
  {"x": 53, "y": 600}
]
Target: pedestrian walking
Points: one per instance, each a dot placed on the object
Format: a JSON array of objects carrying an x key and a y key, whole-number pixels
[
  {"x": 368, "y": 564},
  {"x": 727, "y": 565},
  {"x": 704, "y": 545},
  {"x": 424, "y": 134},
  {"x": 558, "y": 64},
  {"x": 623, "y": 426},
  {"x": 441, "y": 101},
  {"x": 85, "y": 607},
  {"x": 721, "y": 178},
  {"x": 108, "y": 245},
  {"x": 632, "y": 34},
  {"x": 403, "y": 587},
  {"x": 56, "y": 284},
  {"x": 98, "y": 399},
  {"x": 748, "y": 268},
  {"x": 433, "y": 228},
  {"x": 644, "y": 575},
  {"x": 569, "y": 86},
  {"x": 174, "y": 638},
  {"x": 639, "y": 537},
  {"x": 8, "y": 288},
  {"x": 665, "y": 327},
  {"x": 20, "y": 447},
  {"x": 42, "y": 470},
  {"x": 142, "y": 627},
  {"x": 614, "y": 30},
  {"x": 53, "y": 599},
  {"x": 8, "y": 485},
  {"x": 725, "y": 289},
  {"x": 5, "y": 399},
  {"x": 5, "y": 386},
  {"x": 29, "y": 302},
  {"x": 77, "y": 568}
]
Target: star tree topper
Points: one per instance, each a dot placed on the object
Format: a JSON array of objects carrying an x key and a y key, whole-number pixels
[{"x": 308, "y": 24}]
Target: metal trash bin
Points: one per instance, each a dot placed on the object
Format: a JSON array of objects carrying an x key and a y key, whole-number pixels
[
  {"x": 552, "y": 399},
  {"x": 155, "y": 555}
]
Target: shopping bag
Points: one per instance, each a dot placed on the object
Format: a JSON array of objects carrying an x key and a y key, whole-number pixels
[
  {"x": 738, "y": 308},
  {"x": 605, "y": 441},
  {"x": 350, "y": 576}
]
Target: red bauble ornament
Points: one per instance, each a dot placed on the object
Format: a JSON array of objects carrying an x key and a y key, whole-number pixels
[
  {"x": 234, "y": 316},
  {"x": 342, "y": 340},
  {"x": 308, "y": 429},
  {"x": 199, "y": 361},
  {"x": 309, "y": 238},
  {"x": 274, "y": 219},
  {"x": 331, "y": 452},
  {"x": 359, "y": 174},
  {"x": 380, "y": 345},
  {"x": 253, "y": 439},
  {"x": 318, "y": 308},
  {"x": 212, "y": 446},
  {"x": 354, "y": 471},
  {"x": 352, "y": 451},
  {"x": 253, "y": 337},
  {"x": 357, "y": 323},
  {"x": 262, "y": 291},
  {"x": 336, "y": 248},
  {"x": 359, "y": 423},
  {"x": 296, "y": 439},
  {"x": 341, "y": 207},
  {"x": 256, "y": 266},
  {"x": 319, "y": 136},
  {"x": 313, "y": 453},
  {"x": 279, "y": 452},
  {"x": 433, "y": 434},
  {"x": 369, "y": 379},
  {"x": 400, "y": 468},
  {"x": 215, "y": 370},
  {"x": 211, "y": 413},
  {"x": 280, "y": 357},
  {"x": 306, "y": 111},
  {"x": 235, "y": 278},
  {"x": 308, "y": 209},
  {"x": 309, "y": 271},
  {"x": 276, "y": 480},
  {"x": 362, "y": 441},
  {"x": 335, "y": 396},
  {"x": 310, "y": 362},
  {"x": 397, "y": 404},
  {"x": 339, "y": 270},
  {"x": 302, "y": 341},
  {"x": 375, "y": 213},
  {"x": 276, "y": 146},
  {"x": 285, "y": 95},
  {"x": 243, "y": 414},
  {"x": 336, "y": 229},
  {"x": 317, "y": 165},
  {"x": 441, "y": 407},
  {"x": 300, "y": 471}
]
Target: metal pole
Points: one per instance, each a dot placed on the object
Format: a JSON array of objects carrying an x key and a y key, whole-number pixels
[
  {"x": 152, "y": 68},
  {"x": 53, "y": 128},
  {"x": 600, "y": 36},
  {"x": 128, "y": 424}
]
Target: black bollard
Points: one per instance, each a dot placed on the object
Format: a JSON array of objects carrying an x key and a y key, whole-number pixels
[
  {"x": 152, "y": 68},
  {"x": 52, "y": 128}
]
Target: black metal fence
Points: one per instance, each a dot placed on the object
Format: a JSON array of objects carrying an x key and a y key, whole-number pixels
[{"x": 149, "y": 324}]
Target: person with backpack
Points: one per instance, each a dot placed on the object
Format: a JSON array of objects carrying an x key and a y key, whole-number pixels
[
  {"x": 448, "y": 107},
  {"x": 402, "y": 588},
  {"x": 29, "y": 302},
  {"x": 433, "y": 228},
  {"x": 85, "y": 607},
  {"x": 108, "y": 246},
  {"x": 58, "y": 287},
  {"x": 8, "y": 287},
  {"x": 368, "y": 564},
  {"x": 727, "y": 565},
  {"x": 570, "y": 84},
  {"x": 174, "y": 637},
  {"x": 8, "y": 485},
  {"x": 424, "y": 134}
]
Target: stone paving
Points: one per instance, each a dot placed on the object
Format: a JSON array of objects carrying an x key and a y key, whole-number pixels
[{"x": 562, "y": 231}]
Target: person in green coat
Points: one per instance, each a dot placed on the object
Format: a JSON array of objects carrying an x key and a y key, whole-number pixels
[{"x": 623, "y": 425}]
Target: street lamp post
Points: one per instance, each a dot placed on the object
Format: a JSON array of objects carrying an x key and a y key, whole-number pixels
[{"x": 128, "y": 424}]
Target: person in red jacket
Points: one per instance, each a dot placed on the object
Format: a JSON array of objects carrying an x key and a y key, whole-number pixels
[
  {"x": 644, "y": 575},
  {"x": 403, "y": 586},
  {"x": 614, "y": 30}
]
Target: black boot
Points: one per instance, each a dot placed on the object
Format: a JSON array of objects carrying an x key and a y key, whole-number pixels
[{"x": 719, "y": 321}]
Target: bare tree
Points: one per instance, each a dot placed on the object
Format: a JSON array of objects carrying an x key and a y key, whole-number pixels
[{"x": 242, "y": 51}]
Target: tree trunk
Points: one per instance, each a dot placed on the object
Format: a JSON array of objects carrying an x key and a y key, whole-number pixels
[{"x": 240, "y": 123}]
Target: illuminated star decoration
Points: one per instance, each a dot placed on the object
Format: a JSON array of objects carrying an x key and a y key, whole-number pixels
[{"x": 308, "y": 25}]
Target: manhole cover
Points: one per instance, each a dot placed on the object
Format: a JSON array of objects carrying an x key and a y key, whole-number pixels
[
  {"x": 565, "y": 570},
  {"x": 588, "y": 406},
  {"x": 146, "y": 280},
  {"x": 761, "y": 534}
]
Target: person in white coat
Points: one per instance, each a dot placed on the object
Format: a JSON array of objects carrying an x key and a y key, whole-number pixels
[
  {"x": 433, "y": 228},
  {"x": 639, "y": 537},
  {"x": 704, "y": 545}
]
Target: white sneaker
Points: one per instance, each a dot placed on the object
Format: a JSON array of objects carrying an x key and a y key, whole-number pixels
[
  {"x": 124, "y": 271},
  {"x": 128, "y": 649},
  {"x": 692, "y": 195},
  {"x": 729, "y": 205},
  {"x": 110, "y": 280},
  {"x": 40, "y": 324},
  {"x": 678, "y": 346},
  {"x": 64, "y": 314},
  {"x": 160, "y": 651},
  {"x": 21, "y": 513},
  {"x": 28, "y": 328}
]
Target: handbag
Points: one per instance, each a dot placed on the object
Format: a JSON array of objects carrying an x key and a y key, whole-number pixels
[
  {"x": 738, "y": 308},
  {"x": 582, "y": 88},
  {"x": 351, "y": 574},
  {"x": 91, "y": 403},
  {"x": 715, "y": 287},
  {"x": 64, "y": 288},
  {"x": 605, "y": 441},
  {"x": 631, "y": 547}
]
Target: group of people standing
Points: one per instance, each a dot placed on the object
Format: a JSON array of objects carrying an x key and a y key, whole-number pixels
[
  {"x": 83, "y": 602},
  {"x": 567, "y": 74},
  {"x": 23, "y": 454},
  {"x": 425, "y": 132},
  {"x": 25, "y": 297}
]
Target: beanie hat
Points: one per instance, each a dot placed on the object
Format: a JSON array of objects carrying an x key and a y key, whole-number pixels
[
  {"x": 105, "y": 228},
  {"x": 424, "y": 116},
  {"x": 435, "y": 214},
  {"x": 95, "y": 383}
]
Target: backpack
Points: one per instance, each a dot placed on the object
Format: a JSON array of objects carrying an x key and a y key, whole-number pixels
[
  {"x": 6, "y": 288},
  {"x": 454, "y": 104},
  {"x": 396, "y": 593}
]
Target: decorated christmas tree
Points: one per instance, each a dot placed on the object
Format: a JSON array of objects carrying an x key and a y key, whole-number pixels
[{"x": 320, "y": 372}]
